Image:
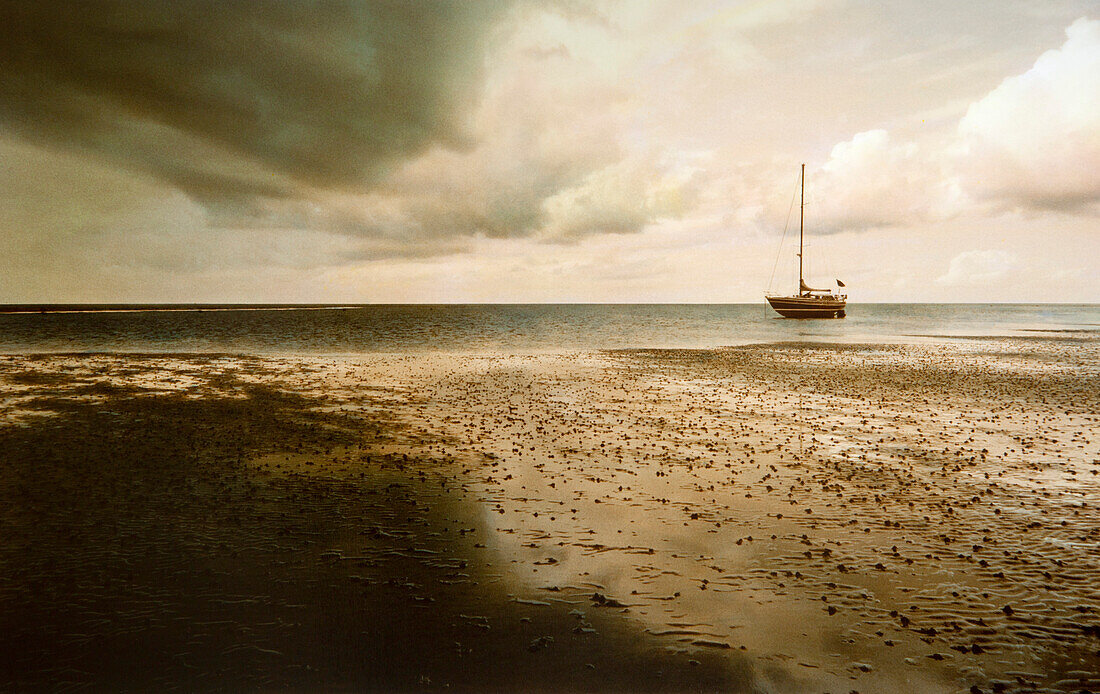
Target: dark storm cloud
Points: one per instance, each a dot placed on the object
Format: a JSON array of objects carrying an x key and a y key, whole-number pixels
[{"x": 229, "y": 100}]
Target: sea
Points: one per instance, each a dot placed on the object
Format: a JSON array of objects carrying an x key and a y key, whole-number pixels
[{"x": 507, "y": 328}]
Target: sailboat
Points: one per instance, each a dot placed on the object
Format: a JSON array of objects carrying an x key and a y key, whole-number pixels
[{"x": 808, "y": 302}]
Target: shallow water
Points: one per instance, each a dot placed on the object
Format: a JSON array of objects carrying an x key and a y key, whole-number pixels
[{"x": 512, "y": 328}]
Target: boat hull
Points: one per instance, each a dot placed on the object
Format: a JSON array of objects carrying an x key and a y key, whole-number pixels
[{"x": 808, "y": 306}]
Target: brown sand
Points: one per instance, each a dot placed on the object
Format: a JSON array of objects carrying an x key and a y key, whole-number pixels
[{"x": 918, "y": 518}]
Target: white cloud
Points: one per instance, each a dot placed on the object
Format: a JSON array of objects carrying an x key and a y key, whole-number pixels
[
  {"x": 1035, "y": 139},
  {"x": 622, "y": 197},
  {"x": 977, "y": 267},
  {"x": 1033, "y": 142},
  {"x": 871, "y": 181}
]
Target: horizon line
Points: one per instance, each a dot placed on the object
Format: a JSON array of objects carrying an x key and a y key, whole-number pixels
[{"x": 103, "y": 307}]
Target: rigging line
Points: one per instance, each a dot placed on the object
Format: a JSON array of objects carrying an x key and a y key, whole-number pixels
[{"x": 783, "y": 238}]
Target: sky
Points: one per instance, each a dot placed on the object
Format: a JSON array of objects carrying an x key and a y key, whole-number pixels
[{"x": 542, "y": 151}]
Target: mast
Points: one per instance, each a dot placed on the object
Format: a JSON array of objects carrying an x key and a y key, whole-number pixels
[{"x": 801, "y": 219}]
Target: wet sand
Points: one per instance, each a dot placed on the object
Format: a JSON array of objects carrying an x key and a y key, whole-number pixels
[{"x": 774, "y": 518}]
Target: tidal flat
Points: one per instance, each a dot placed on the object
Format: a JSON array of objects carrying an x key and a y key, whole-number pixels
[{"x": 786, "y": 517}]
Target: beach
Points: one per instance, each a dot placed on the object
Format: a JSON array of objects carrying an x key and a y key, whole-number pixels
[{"x": 779, "y": 517}]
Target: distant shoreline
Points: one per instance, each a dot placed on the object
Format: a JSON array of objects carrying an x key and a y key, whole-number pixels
[{"x": 164, "y": 308}]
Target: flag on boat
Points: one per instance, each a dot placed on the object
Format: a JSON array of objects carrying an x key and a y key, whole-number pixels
[{"x": 839, "y": 283}]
